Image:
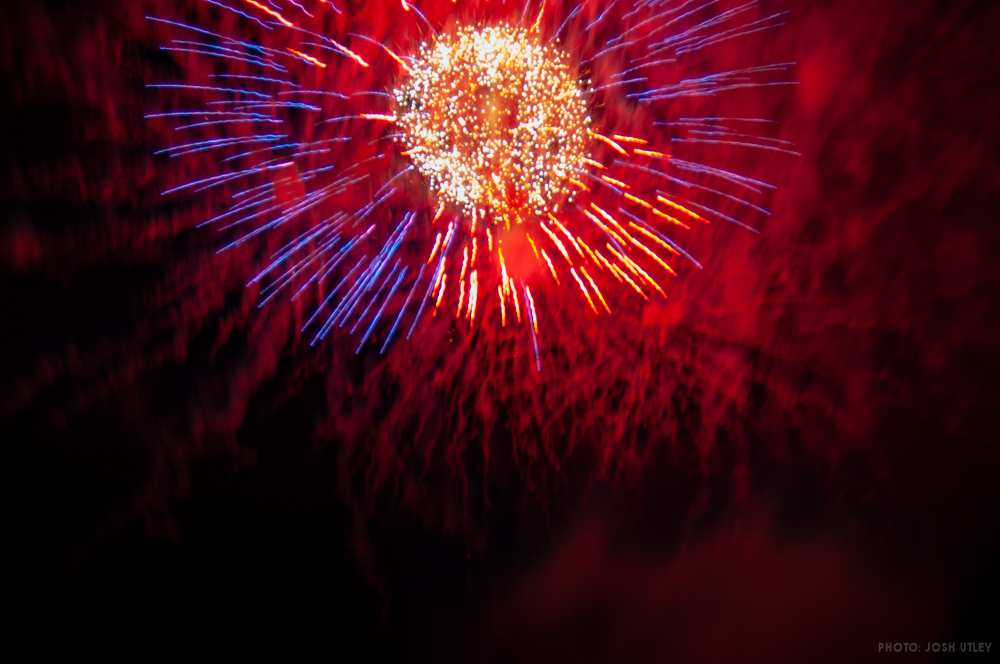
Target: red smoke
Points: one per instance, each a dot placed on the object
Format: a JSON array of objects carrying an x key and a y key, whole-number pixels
[{"x": 835, "y": 372}]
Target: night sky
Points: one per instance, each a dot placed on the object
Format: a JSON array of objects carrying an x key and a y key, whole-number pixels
[{"x": 793, "y": 458}]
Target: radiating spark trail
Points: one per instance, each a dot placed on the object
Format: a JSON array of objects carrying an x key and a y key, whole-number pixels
[{"x": 543, "y": 132}]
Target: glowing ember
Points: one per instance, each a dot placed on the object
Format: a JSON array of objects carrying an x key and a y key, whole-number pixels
[{"x": 494, "y": 119}]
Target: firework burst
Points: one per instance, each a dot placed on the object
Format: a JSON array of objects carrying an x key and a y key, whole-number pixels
[{"x": 534, "y": 153}]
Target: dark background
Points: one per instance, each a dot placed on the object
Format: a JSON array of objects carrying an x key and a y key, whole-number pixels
[{"x": 828, "y": 395}]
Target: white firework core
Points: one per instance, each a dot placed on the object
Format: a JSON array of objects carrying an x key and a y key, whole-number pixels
[{"x": 494, "y": 119}]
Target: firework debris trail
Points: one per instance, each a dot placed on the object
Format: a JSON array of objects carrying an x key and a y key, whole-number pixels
[{"x": 540, "y": 184}]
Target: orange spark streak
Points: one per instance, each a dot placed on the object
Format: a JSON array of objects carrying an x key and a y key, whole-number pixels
[
  {"x": 579, "y": 184},
  {"x": 673, "y": 220},
  {"x": 552, "y": 268},
  {"x": 604, "y": 227},
  {"x": 635, "y": 269},
  {"x": 629, "y": 139},
  {"x": 517, "y": 304},
  {"x": 531, "y": 305},
  {"x": 451, "y": 233},
  {"x": 533, "y": 247},
  {"x": 270, "y": 12},
  {"x": 566, "y": 232},
  {"x": 583, "y": 289},
  {"x": 628, "y": 264},
  {"x": 655, "y": 256},
  {"x": 556, "y": 241},
  {"x": 648, "y": 206},
  {"x": 614, "y": 222},
  {"x": 465, "y": 261},
  {"x": 503, "y": 269},
  {"x": 591, "y": 162},
  {"x": 621, "y": 273},
  {"x": 604, "y": 139},
  {"x": 538, "y": 20},
  {"x": 611, "y": 268},
  {"x": 617, "y": 183},
  {"x": 473, "y": 295},
  {"x": 678, "y": 206},
  {"x": 379, "y": 116},
  {"x": 503, "y": 308},
  {"x": 444, "y": 283},
  {"x": 308, "y": 58},
  {"x": 437, "y": 245},
  {"x": 437, "y": 284},
  {"x": 399, "y": 60},
  {"x": 590, "y": 252},
  {"x": 597, "y": 290},
  {"x": 631, "y": 239},
  {"x": 651, "y": 153},
  {"x": 440, "y": 211},
  {"x": 639, "y": 201},
  {"x": 349, "y": 53},
  {"x": 653, "y": 236}
]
